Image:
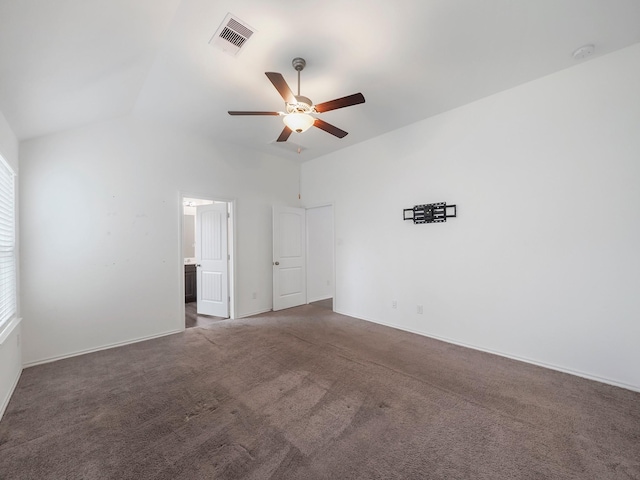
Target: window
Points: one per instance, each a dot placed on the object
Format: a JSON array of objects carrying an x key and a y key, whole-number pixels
[{"x": 7, "y": 243}]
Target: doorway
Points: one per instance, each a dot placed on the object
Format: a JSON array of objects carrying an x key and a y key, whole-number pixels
[
  {"x": 303, "y": 256},
  {"x": 207, "y": 253}
]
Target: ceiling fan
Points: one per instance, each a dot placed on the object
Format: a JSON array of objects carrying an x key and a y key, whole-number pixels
[{"x": 298, "y": 116}]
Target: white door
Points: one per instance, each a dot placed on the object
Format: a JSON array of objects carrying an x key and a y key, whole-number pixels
[
  {"x": 212, "y": 260},
  {"x": 289, "y": 275}
]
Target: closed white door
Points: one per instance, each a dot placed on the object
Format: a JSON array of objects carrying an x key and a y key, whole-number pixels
[
  {"x": 212, "y": 260},
  {"x": 289, "y": 273}
]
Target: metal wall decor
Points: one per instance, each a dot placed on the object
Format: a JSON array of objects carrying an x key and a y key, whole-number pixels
[{"x": 429, "y": 213}]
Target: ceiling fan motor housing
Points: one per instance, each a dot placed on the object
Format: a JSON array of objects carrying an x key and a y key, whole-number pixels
[
  {"x": 302, "y": 105},
  {"x": 298, "y": 63}
]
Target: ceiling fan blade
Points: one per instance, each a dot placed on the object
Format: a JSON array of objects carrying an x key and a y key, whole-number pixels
[
  {"x": 285, "y": 134},
  {"x": 327, "y": 127},
  {"x": 281, "y": 85},
  {"x": 253, "y": 113},
  {"x": 347, "y": 101}
]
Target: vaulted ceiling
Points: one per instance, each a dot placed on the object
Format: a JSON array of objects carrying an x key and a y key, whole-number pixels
[{"x": 68, "y": 63}]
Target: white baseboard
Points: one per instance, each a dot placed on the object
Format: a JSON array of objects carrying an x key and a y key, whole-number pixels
[
  {"x": 5, "y": 401},
  {"x": 97, "y": 349},
  {"x": 557, "y": 368},
  {"x": 257, "y": 312}
]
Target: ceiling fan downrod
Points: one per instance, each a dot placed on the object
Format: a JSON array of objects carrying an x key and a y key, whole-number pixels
[{"x": 299, "y": 64}]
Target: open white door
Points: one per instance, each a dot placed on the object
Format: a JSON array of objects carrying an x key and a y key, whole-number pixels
[
  {"x": 212, "y": 260},
  {"x": 289, "y": 269}
]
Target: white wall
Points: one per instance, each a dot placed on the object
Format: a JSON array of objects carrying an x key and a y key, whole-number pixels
[
  {"x": 543, "y": 261},
  {"x": 10, "y": 349},
  {"x": 319, "y": 253},
  {"x": 101, "y": 231}
]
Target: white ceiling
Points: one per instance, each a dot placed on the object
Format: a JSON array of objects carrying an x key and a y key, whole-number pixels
[{"x": 67, "y": 63}]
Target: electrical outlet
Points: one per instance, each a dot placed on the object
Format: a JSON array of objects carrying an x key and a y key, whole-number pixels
[
  {"x": 254, "y": 295},
  {"x": 419, "y": 309},
  {"x": 394, "y": 304}
]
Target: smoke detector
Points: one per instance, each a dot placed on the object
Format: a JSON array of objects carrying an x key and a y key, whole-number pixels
[{"x": 583, "y": 52}]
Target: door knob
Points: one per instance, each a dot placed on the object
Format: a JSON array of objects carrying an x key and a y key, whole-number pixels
[
  {"x": 276, "y": 263},
  {"x": 198, "y": 265}
]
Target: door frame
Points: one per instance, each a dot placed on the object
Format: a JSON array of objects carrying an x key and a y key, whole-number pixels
[{"x": 231, "y": 232}]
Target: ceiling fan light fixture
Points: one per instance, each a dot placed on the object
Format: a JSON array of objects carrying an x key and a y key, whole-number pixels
[
  {"x": 299, "y": 122},
  {"x": 298, "y": 108}
]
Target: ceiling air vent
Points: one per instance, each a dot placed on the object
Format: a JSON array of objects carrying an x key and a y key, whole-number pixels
[{"x": 232, "y": 35}]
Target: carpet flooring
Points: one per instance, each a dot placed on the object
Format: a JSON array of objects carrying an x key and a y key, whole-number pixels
[{"x": 310, "y": 394}]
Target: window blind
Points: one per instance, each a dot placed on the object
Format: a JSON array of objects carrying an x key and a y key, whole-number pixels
[{"x": 7, "y": 243}]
